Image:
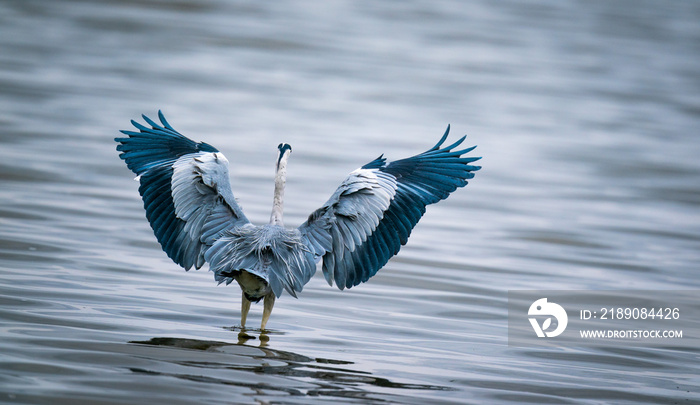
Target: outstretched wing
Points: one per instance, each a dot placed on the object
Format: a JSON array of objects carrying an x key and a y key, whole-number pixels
[
  {"x": 371, "y": 215},
  {"x": 185, "y": 189}
]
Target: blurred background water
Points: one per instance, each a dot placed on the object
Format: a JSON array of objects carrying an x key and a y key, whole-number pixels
[{"x": 586, "y": 113}]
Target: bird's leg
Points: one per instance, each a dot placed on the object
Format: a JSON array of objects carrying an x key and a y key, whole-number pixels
[
  {"x": 267, "y": 308},
  {"x": 245, "y": 307}
]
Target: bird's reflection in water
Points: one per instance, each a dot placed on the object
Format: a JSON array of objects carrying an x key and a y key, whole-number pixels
[{"x": 259, "y": 367}]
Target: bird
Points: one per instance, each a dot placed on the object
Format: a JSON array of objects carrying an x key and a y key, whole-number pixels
[{"x": 189, "y": 203}]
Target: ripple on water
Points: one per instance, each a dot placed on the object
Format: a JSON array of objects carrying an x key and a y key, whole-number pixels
[{"x": 586, "y": 116}]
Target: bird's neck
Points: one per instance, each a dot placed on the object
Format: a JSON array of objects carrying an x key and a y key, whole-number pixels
[{"x": 278, "y": 199}]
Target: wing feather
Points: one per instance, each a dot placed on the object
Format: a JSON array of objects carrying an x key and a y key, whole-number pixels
[
  {"x": 185, "y": 189},
  {"x": 372, "y": 213}
]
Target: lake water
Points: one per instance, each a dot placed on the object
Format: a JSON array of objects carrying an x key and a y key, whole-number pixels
[{"x": 587, "y": 115}]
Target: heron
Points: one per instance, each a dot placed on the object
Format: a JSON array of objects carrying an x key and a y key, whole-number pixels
[{"x": 189, "y": 203}]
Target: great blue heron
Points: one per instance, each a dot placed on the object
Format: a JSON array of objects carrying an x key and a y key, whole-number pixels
[{"x": 189, "y": 203}]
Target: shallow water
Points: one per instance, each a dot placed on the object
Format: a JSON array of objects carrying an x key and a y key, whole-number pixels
[{"x": 586, "y": 115}]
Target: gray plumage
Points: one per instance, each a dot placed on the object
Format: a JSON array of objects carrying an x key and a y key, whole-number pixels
[
  {"x": 270, "y": 252},
  {"x": 190, "y": 206}
]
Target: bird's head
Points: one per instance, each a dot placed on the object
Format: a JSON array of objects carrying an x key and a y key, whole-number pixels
[{"x": 284, "y": 150}]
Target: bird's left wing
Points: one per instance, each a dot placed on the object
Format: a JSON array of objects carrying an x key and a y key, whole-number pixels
[
  {"x": 185, "y": 189},
  {"x": 371, "y": 215}
]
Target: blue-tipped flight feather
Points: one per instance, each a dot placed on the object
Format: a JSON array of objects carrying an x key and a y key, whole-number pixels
[
  {"x": 153, "y": 154},
  {"x": 354, "y": 255}
]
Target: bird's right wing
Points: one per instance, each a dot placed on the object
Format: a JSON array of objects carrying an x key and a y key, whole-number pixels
[
  {"x": 185, "y": 189},
  {"x": 371, "y": 215}
]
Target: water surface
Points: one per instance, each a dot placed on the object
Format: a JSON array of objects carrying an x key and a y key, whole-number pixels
[{"x": 586, "y": 115}]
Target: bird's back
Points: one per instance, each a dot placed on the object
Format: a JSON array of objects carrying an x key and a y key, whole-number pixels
[{"x": 270, "y": 253}]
